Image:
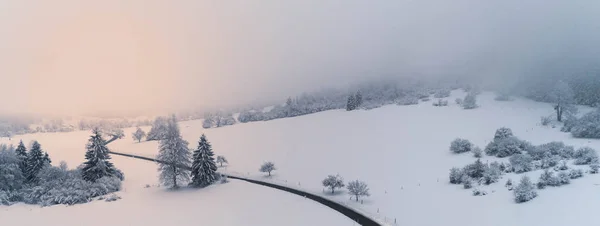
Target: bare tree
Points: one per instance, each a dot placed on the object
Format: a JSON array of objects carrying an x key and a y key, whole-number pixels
[
  {"x": 563, "y": 98},
  {"x": 221, "y": 159},
  {"x": 358, "y": 188},
  {"x": 267, "y": 167},
  {"x": 333, "y": 182}
]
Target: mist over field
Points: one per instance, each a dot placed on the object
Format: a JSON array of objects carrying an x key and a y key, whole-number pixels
[{"x": 157, "y": 57}]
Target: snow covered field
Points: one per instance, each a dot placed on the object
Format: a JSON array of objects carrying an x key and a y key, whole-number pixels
[
  {"x": 231, "y": 204},
  {"x": 400, "y": 151}
]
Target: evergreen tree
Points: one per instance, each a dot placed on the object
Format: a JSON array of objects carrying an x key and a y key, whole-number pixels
[
  {"x": 97, "y": 164},
  {"x": 525, "y": 191},
  {"x": 204, "y": 168},
  {"x": 21, "y": 152},
  {"x": 358, "y": 100},
  {"x": 47, "y": 159},
  {"x": 158, "y": 130},
  {"x": 174, "y": 152},
  {"x": 351, "y": 105},
  {"x": 35, "y": 162}
]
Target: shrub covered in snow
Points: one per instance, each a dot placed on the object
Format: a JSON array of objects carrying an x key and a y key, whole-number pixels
[
  {"x": 585, "y": 155},
  {"x": 475, "y": 170},
  {"x": 507, "y": 146},
  {"x": 575, "y": 173},
  {"x": 407, "y": 100},
  {"x": 460, "y": 146},
  {"x": 547, "y": 178},
  {"x": 521, "y": 163},
  {"x": 477, "y": 192},
  {"x": 594, "y": 167},
  {"x": 467, "y": 184},
  {"x": 564, "y": 178},
  {"x": 470, "y": 101},
  {"x": 458, "y": 101},
  {"x": 545, "y": 120},
  {"x": 443, "y": 93},
  {"x": 502, "y": 133},
  {"x": 552, "y": 149},
  {"x": 456, "y": 175},
  {"x": 492, "y": 173},
  {"x": 587, "y": 126},
  {"x": 477, "y": 152},
  {"x": 440, "y": 103},
  {"x": 525, "y": 191}
]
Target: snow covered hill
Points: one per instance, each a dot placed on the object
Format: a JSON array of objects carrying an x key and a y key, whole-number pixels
[{"x": 400, "y": 151}]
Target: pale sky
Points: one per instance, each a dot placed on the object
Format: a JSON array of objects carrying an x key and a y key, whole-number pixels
[{"x": 139, "y": 56}]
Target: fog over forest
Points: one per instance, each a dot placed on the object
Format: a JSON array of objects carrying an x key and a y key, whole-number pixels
[{"x": 157, "y": 57}]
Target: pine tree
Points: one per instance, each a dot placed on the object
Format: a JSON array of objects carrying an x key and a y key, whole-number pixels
[
  {"x": 35, "y": 162},
  {"x": 47, "y": 159},
  {"x": 525, "y": 191},
  {"x": 174, "y": 151},
  {"x": 351, "y": 105},
  {"x": 358, "y": 100},
  {"x": 21, "y": 152},
  {"x": 204, "y": 168},
  {"x": 97, "y": 156}
]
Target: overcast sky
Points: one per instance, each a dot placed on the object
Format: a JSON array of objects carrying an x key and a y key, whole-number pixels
[{"x": 137, "y": 56}]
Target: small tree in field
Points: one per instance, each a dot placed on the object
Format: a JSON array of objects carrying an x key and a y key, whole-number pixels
[
  {"x": 358, "y": 188},
  {"x": 138, "y": 135},
  {"x": 267, "y": 167},
  {"x": 525, "y": 191},
  {"x": 333, "y": 182},
  {"x": 221, "y": 159},
  {"x": 563, "y": 98}
]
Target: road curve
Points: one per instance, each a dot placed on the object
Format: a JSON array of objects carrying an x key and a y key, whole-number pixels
[{"x": 352, "y": 214}]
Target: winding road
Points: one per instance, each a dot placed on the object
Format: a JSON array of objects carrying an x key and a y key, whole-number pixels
[{"x": 352, "y": 214}]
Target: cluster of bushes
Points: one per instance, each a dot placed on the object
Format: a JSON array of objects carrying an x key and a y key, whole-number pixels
[
  {"x": 506, "y": 144},
  {"x": 588, "y": 126},
  {"x": 27, "y": 176},
  {"x": 478, "y": 172},
  {"x": 548, "y": 178}
]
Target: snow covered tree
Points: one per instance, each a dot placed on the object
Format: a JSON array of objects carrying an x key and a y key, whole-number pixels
[
  {"x": 475, "y": 170},
  {"x": 221, "y": 159},
  {"x": 208, "y": 123},
  {"x": 563, "y": 98},
  {"x": 358, "y": 99},
  {"x": 525, "y": 191},
  {"x": 174, "y": 152},
  {"x": 492, "y": 173},
  {"x": 585, "y": 127},
  {"x": 333, "y": 181},
  {"x": 11, "y": 176},
  {"x": 159, "y": 129},
  {"x": 138, "y": 135},
  {"x": 506, "y": 147},
  {"x": 470, "y": 101},
  {"x": 351, "y": 105},
  {"x": 21, "y": 153},
  {"x": 460, "y": 146},
  {"x": 267, "y": 167},
  {"x": 477, "y": 152},
  {"x": 502, "y": 133},
  {"x": 358, "y": 188},
  {"x": 35, "y": 162},
  {"x": 204, "y": 169},
  {"x": 47, "y": 159},
  {"x": 521, "y": 163},
  {"x": 97, "y": 165}
]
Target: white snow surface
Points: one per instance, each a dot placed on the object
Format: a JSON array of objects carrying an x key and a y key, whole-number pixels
[{"x": 401, "y": 152}]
